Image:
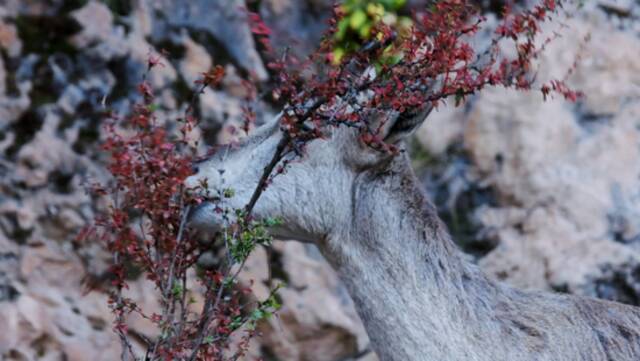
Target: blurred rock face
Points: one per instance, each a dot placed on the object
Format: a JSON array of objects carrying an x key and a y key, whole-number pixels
[
  {"x": 562, "y": 178},
  {"x": 542, "y": 195}
]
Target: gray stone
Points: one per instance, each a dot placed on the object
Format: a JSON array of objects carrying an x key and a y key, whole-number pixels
[{"x": 222, "y": 20}]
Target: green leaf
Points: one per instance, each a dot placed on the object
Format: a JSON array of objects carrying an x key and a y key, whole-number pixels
[
  {"x": 229, "y": 193},
  {"x": 397, "y": 4},
  {"x": 357, "y": 19},
  {"x": 343, "y": 26},
  {"x": 236, "y": 323},
  {"x": 272, "y": 303},
  {"x": 256, "y": 315},
  {"x": 177, "y": 290},
  {"x": 273, "y": 221},
  {"x": 365, "y": 30}
]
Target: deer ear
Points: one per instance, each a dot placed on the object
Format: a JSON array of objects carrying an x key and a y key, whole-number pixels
[{"x": 405, "y": 124}]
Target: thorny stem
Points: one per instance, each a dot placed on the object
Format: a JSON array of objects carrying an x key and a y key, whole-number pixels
[
  {"x": 277, "y": 156},
  {"x": 126, "y": 345},
  {"x": 168, "y": 309},
  {"x": 206, "y": 318},
  {"x": 183, "y": 221},
  {"x": 169, "y": 294}
]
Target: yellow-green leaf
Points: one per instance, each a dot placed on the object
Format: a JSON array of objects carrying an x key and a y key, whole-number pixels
[{"x": 357, "y": 19}]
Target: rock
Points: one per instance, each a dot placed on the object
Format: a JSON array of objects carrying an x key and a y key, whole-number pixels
[
  {"x": 140, "y": 50},
  {"x": 69, "y": 220},
  {"x": 71, "y": 97},
  {"x": 448, "y": 120},
  {"x": 143, "y": 23},
  {"x": 606, "y": 73},
  {"x": 223, "y": 21},
  {"x": 620, "y": 283},
  {"x": 565, "y": 175},
  {"x": 9, "y": 39},
  {"x": 318, "y": 319},
  {"x": 44, "y": 154},
  {"x": 300, "y": 23},
  {"x": 3, "y": 78},
  {"x": 108, "y": 42},
  {"x": 147, "y": 297},
  {"x": 621, "y": 8},
  {"x": 195, "y": 62},
  {"x": 12, "y": 107},
  {"x": 221, "y": 110},
  {"x": 10, "y": 289},
  {"x": 96, "y": 21}
]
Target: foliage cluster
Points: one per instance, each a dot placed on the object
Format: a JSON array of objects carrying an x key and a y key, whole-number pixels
[
  {"x": 145, "y": 230},
  {"x": 359, "y": 18}
]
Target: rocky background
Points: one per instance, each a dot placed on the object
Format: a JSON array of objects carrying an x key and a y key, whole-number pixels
[{"x": 541, "y": 195}]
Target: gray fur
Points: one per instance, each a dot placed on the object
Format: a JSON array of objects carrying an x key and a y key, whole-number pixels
[{"x": 415, "y": 293}]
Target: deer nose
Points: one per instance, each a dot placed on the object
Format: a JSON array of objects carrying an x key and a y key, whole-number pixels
[{"x": 195, "y": 168}]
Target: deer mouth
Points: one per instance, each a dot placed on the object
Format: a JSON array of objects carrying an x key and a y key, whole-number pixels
[{"x": 204, "y": 219}]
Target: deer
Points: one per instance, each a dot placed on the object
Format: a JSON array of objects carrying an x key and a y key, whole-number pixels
[{"x": 418, "y": 296}]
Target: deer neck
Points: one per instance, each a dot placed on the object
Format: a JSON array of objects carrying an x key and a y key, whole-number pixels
[{"x": 413, "y": 290}]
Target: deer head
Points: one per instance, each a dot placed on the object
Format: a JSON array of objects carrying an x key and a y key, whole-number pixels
[{"x": 314, "y": 196}]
